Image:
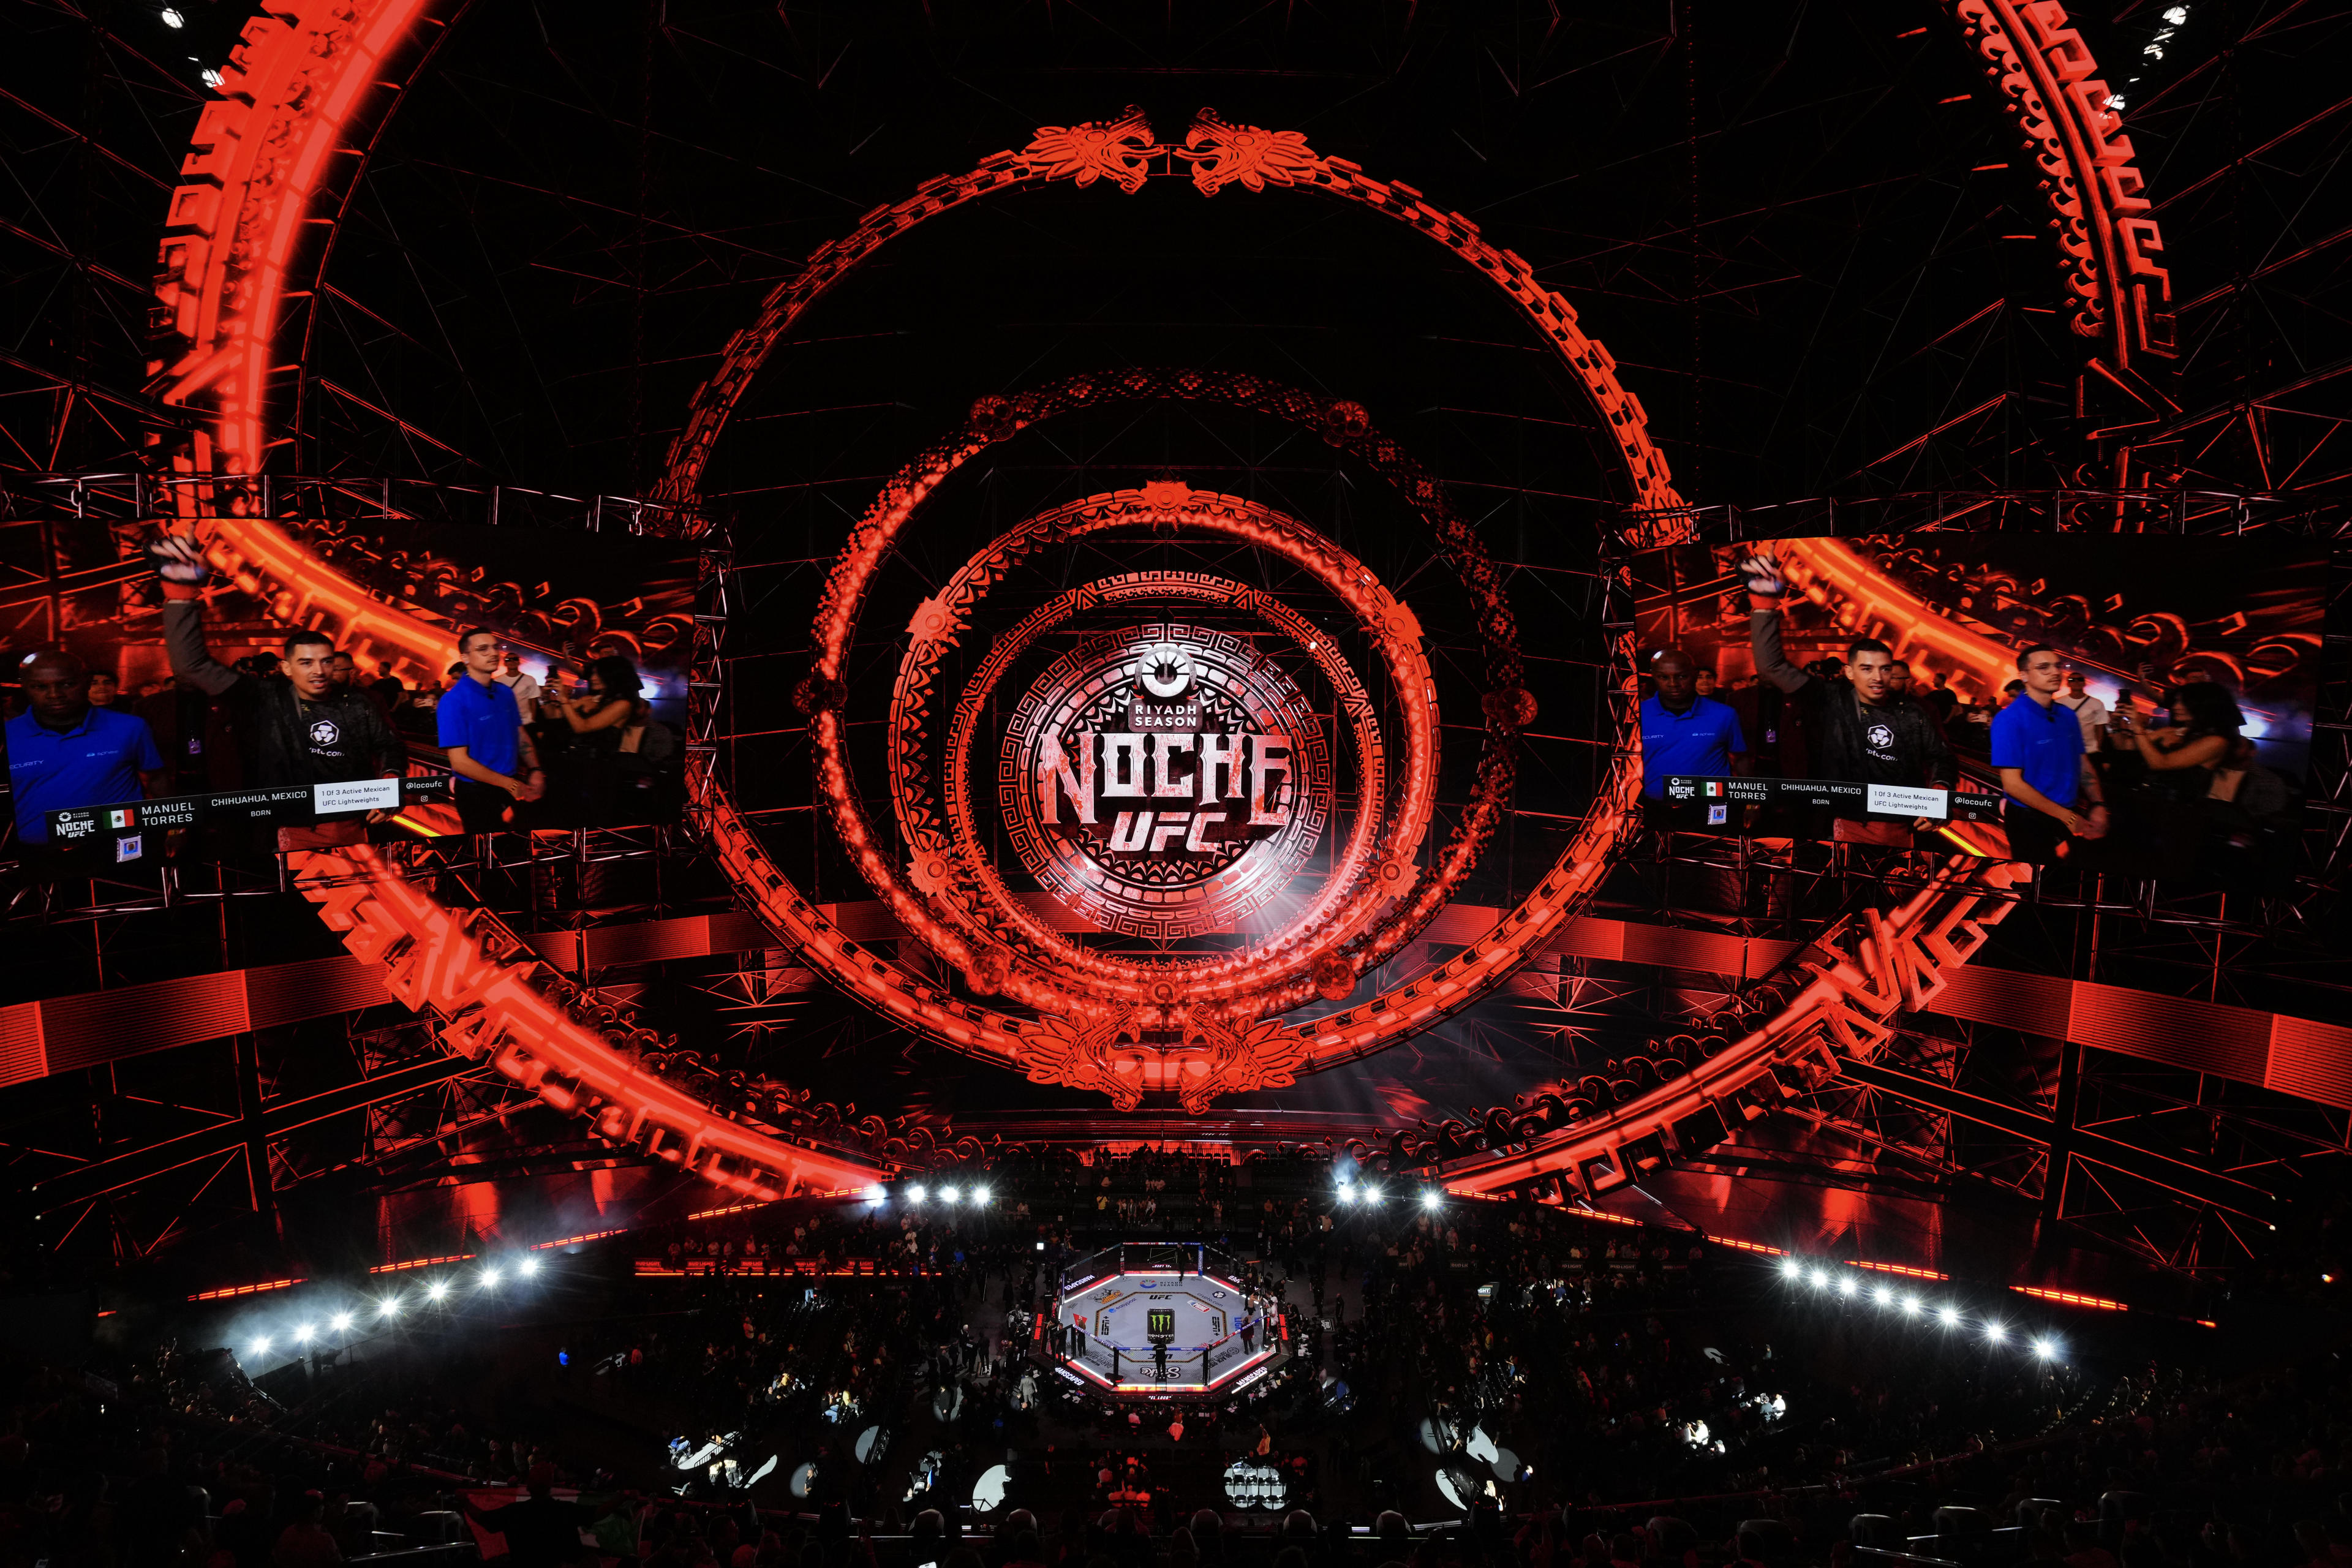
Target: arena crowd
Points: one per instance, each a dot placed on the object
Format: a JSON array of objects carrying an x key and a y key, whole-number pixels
[{"x": 1598, "y": 1395}]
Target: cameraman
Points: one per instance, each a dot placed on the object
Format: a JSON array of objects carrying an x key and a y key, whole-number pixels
[
  {"x": 298, "y": 727},
  {"x": 1861, "y": 729}
]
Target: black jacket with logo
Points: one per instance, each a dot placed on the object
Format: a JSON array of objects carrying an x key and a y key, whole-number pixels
[
  {"x": 288, "y": 740},
  {"x": 1894, "y": 742}
]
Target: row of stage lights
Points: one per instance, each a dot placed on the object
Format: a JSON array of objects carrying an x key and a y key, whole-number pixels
[
  {"x": 1370, "y": 1195},
  {"x": 1373, "y": 1197},
  {"x": 1351, "y": 1194},
  {"x": 950, "y": 1194},
  {"x": 490, "y": 1277},
  {"x": 1885, "y": 1297}
]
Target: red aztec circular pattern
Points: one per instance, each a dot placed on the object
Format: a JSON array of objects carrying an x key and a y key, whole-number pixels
[
  {"x": 1364, "y": 875},
  {"x": 1158, "y": 587}
]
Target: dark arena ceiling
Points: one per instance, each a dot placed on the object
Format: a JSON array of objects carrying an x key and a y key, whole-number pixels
[{"x": 1859, "y": 274}]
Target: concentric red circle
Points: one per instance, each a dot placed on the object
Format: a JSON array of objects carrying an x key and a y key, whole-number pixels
[{"x": 1355, "y": 897}]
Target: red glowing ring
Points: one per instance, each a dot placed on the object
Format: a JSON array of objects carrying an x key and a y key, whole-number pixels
[
  {"x": 1055, "y": 1050},
  {"x": 877, "y": 532},
  {"x": 1149, "y": 981},
  {"x": 1214, "y": 155},
  {"x": 1387, "y": 622}
]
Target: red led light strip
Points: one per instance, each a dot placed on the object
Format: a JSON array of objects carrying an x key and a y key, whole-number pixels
[
  {"x": 420, "y": 1263},
  {"x": 764, "y": 1268},
  {"x": 1572, "y": 1210},
  {"x": 1903, "y": 1269},
  {"x": 2071, "y": 1299},
  {"x": 1232, "y": 1372},
  {"x": 576, "y": 1240},
  {"x": 224, "y": 1293}
]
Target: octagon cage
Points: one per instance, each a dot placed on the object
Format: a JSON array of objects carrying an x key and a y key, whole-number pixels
[{"x": 1164, "y": 1319}]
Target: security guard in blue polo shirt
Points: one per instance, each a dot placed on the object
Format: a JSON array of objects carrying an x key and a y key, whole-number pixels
[
  {"x": 2056, "y": 797},
  {"x": 63, "y": 752},
  {"x": 1683, "y": 733}
]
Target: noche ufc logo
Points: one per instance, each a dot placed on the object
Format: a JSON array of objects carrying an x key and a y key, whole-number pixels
[
  {"x": 1166, "y": 780},
  {"x": 1164, "y": 783}
]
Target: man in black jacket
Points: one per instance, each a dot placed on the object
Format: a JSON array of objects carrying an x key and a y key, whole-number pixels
[
  {"x": 299, "y": 728},
  {"x": 1862, "y": 729}
]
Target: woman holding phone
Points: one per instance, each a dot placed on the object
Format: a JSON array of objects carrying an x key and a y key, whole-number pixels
[
  {"x": 2180, "y": 759},
  {"x": 596, "y": 717}
]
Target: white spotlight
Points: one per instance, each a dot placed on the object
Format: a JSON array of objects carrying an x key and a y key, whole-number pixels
[
  {"x": 874, "y": 1195},
  {"x": 388, "y": 1308},
  {"x": 918, "y": 1191},
  {"x": 172, "y": 18},
  {"x": 490, "y": 1278},
  {"x": 261, "y": 1345},
  {"x": 1432, "y": 1198},
  {"x": 1883, "y": 1296},
  {"x": 438, "y": 1288},
  {"x": 2045, "y": 1349},
  {"x": 340, "y": 1321},
  {"x": 302, "y": 1334},
  {"x": 212, "y": 77},
  {"x": 1994, "y": 1333},
  {"x": 1347, "y": 1194},
  {"x": 980, "y": 1194},
  {"x": 953, "y": 1194},
  {"x": 1792, "y": 1269},
  {"x": 527, "y": 1268},
  {"x": 1948, "y": 1315},
  {"x": 1845, "y": 1285},
  {"x": 1820, "y": 1281},
  {"x": 1911, "y": 1305},
  {"x": 1373, "y": 1196}
]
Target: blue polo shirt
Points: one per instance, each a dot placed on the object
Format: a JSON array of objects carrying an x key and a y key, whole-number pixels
[
  {"x": 96, "y": 762},
  {"x": 1699, "y": 742},
  {"x": 2044, "y": 743},
  {"x": 483, "y": 718}
]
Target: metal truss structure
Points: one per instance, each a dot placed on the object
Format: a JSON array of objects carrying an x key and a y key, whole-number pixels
[
  {"x": 243, "y": 1128},
  {"x": 2159, "y": 402}
]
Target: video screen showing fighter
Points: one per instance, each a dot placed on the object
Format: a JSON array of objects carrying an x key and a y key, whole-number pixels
[{"x": 2138, "y": 705}]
